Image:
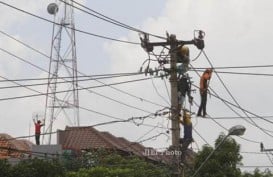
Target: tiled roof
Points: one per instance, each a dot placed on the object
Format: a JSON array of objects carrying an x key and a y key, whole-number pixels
[
  {"x": 6, "y": 143},
  {"x": 82, "y": 138}
]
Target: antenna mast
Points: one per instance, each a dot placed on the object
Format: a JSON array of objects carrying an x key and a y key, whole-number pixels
[{"x": 62, "y": 99}]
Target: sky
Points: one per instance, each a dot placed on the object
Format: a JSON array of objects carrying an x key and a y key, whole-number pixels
[{"x": 238, "y": 33}]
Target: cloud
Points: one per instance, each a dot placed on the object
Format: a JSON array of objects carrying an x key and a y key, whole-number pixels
[{"x": 237, "y": 34}]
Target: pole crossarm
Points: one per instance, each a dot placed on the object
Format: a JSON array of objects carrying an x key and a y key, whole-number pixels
[{"x": 174, "y": 46}]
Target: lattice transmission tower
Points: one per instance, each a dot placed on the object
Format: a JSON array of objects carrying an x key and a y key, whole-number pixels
[{"x": 62, "y": 99}]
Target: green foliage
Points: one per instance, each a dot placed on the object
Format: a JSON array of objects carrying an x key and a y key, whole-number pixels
[
  {"x": 224, "y": 160},
  {"x": 258, "y": 173},
  {"x": 38, "y": 168},
  {"x": 109, "y": 164},
  {"x": 5, "y": 168},
  {"x": 71, "y": 162}
]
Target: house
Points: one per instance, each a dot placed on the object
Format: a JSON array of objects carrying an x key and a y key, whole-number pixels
[
  {"x": 14, "y": 148},
  {"x": 89, "y": 138}
]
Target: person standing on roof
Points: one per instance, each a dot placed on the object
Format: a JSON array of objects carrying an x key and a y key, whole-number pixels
[
  {"x": 38, "y": 126},
  {"x": 204, "y": 84}
]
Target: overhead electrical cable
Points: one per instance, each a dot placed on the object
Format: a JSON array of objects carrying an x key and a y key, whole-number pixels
[
  {"x": 66, "y": 91},
  {"x": 220, "y": 125},
  {"x": 230, "y": 117},
  {"x": 119, "y": 90},
  {"x": 64, "y": 82},
  {"x": 107, "y": 19},
  {"x": 229, "y": 106},
  {"x": 239, "y": 67},
  {"x": 163, "y": 98},
  {"x": 233, "y": 98},
  {"x": 241, "y": 73},
  {"x": 80, "y": 31},
  {"x": 244, "y": 118}
]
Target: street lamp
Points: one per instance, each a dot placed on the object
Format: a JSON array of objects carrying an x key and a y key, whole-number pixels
[{"x": 237, "y": 130}]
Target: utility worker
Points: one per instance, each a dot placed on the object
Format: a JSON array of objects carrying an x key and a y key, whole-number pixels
[
  {"x": 184, "y": 88},
  {"x": 38, "y": 126},
  {"x": 187, "y": 125},
  {"x": 183, "y": 57},
  {"x": 204, "y": 84}
]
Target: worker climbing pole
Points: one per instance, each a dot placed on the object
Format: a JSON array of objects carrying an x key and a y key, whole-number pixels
[{"x": 179, "y": 54}]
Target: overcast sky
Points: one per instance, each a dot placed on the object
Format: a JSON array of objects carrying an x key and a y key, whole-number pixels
[{"x": 238, "y": 33}]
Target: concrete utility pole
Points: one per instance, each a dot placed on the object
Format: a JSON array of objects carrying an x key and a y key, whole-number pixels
[
  {"x": 174, "y": 45},
  {"x": 174, "y": 96},
  {"x": 174, "y": 104}
]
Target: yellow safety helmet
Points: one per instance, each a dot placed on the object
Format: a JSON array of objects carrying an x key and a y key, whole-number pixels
[{"x": 184, "y": 50}]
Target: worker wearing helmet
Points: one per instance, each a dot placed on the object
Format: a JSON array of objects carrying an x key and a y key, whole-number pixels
[
  {"x": 204, "y": 84},
  {"x": 183, "y": 55},
  {"x": 184, "y": 88},
  {"x": 187, "y": 124}
]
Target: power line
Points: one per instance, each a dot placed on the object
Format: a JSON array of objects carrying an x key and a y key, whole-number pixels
[
  {"x": 230, "y": 117},
  {"x": 166, "y": 101},
  {"x": 87, "y": 109},
  {"x": 242, "y": 73},
  {"x": 89, "y": 77},
  {"x": 65, "y": 91},
  {"x": 81, "y": 31},
  {"x": 108, "y": 19},
  {"x": 239, "y": 67},
  {"x": 119, "y": 90},
  {"x": 63, "y": 82},
  {"x": 229, "y": 103},
  {"x": 119, "y": 120},
  {"x": 80, "y": 87},
  {"x": 220, "y": 125},
  {"x": 238, "y": 105}
]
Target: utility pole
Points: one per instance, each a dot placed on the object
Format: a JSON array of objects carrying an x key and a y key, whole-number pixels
[
  {"x": 174, "y": 96},
  {"x": 174, "y": 44}
]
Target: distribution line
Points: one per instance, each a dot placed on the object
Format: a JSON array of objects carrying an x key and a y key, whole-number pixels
[
  {"x": 100, "y": 124},
  {"x": 233, "y": 98},
  {"x": 80, "y": 31},
  {"x": 239, "y": 67},
  {"x": 87, "y": 109},
  {"x": 63, "y": 82},
  {"x": 119, "y": 120},
  {"x": 241, "y": 73},
  {"x": 220, "y": 125},
  {"x": 108, "y": 19},
  {"x": 80, "y": 87},
  {"x": 89, "y": 77},
  {"x": 65, "y": 91},
  {"x": 229, "y": 106},
  {"x": 166, "y": 101},
  {"x": 119, "y": 90},
  {"x": 229, "y": 117}
]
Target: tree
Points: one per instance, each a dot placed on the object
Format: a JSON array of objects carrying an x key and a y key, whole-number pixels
[
  {"x": 258, "y": 173},
  {"x": 39, "y": 168},
  {"x": 111, "y": 164},
  {"x": 5, "y": 168},
  {"x": 223, "y": 162}
]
